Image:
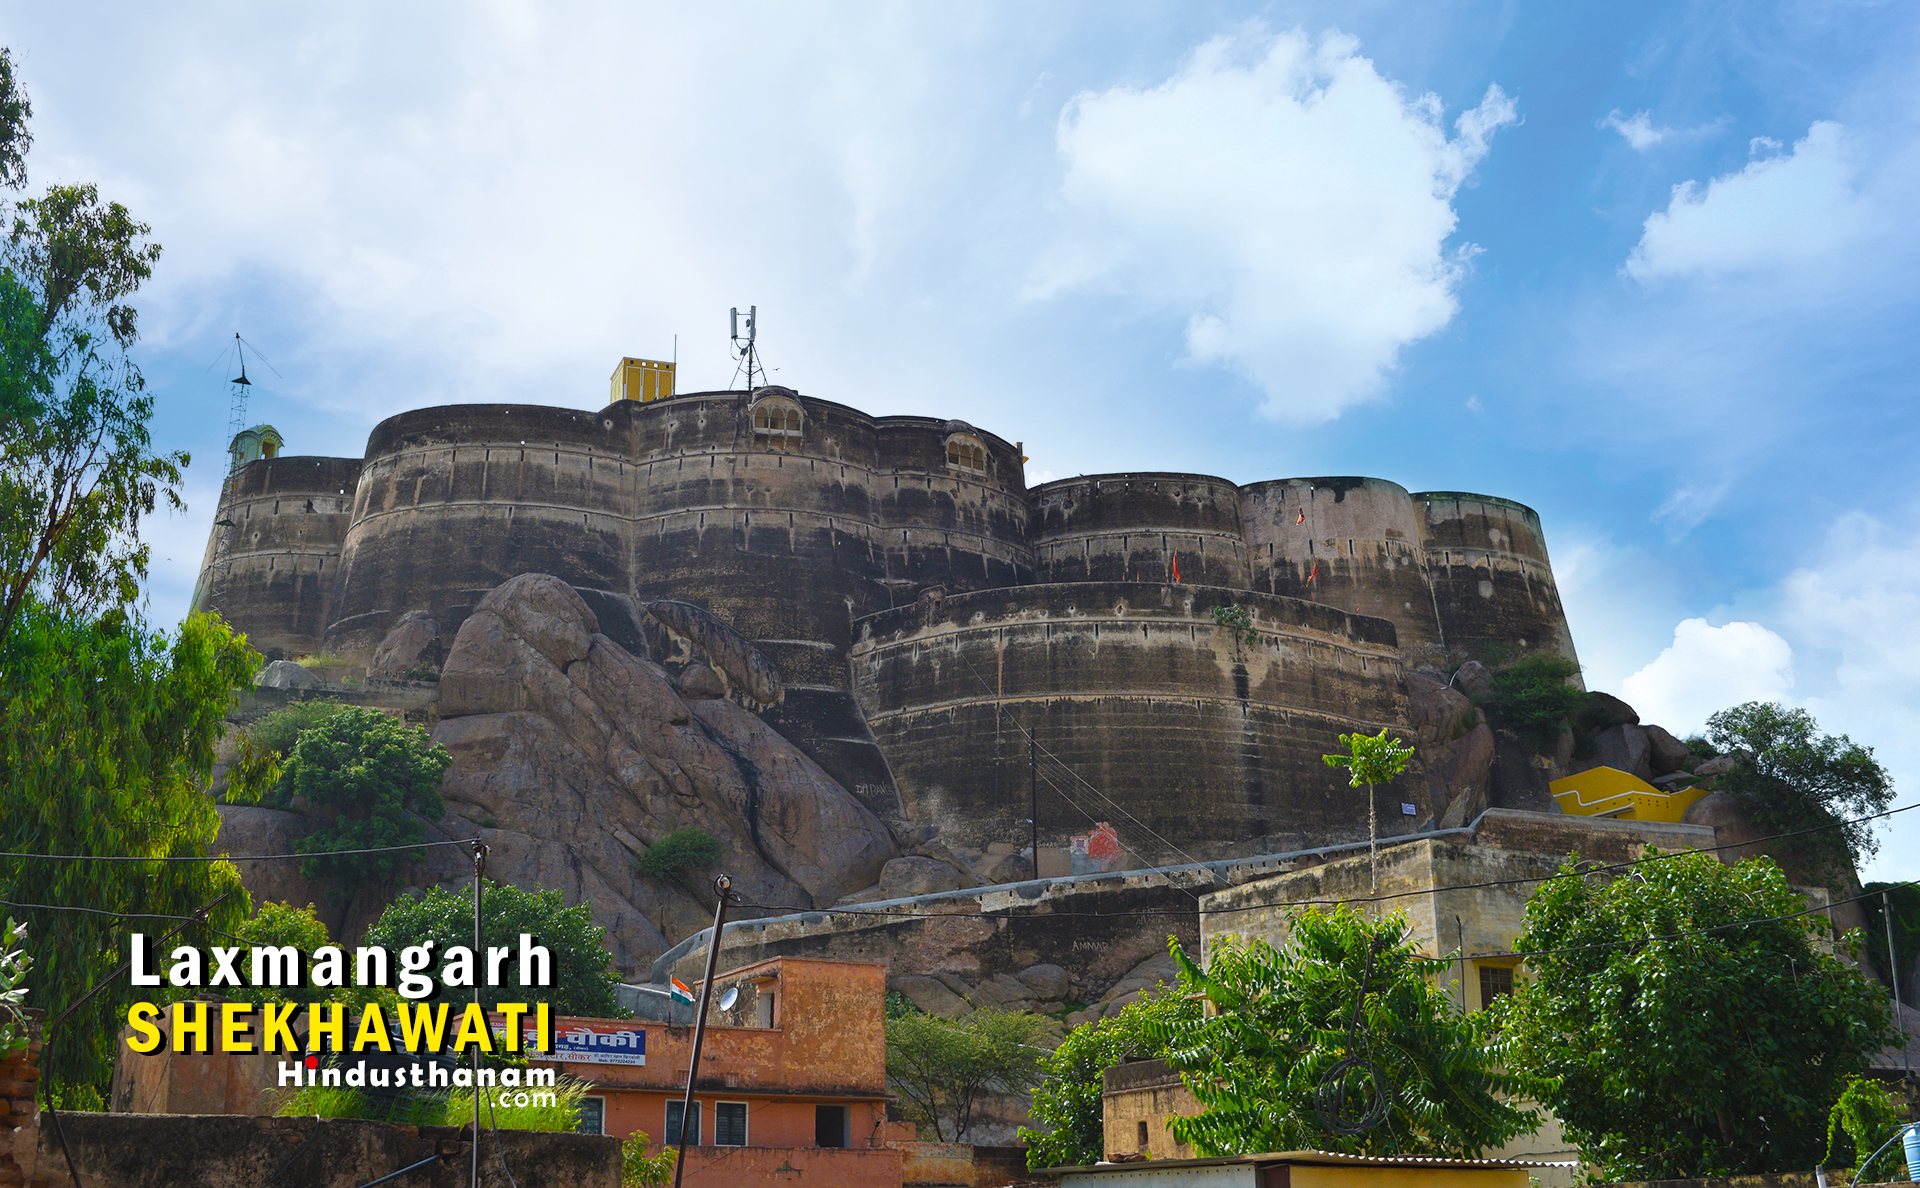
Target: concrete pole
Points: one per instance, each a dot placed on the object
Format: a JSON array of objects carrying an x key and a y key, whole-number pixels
[{"x": 721, "y": 887}]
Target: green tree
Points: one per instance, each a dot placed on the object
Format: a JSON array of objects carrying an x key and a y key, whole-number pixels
[
  {"x": 1371, "y": 760},
  {"x": 1686, "y": 1020},
  {"x": 1282, "y": 1027},
  {"x": 1532, "y": 698},
  {"x": 582, "y": 980},
  {"x": 1794, "y": 777},
  {"x": 107, "y": 728},
  {"x": 943, "y": 1067},
  {"x": 379, "y": 773},
  {"x": 641, "y": 1170},
  {"x": 682, "y": 851},
  {"x": 1067, "y": 1104},
  {"x": 106, "y": 740},
  {"x": 277, "y": 924},
  {"x": 276, "y": 733},
  {"x": 1866, "y": 1116}
]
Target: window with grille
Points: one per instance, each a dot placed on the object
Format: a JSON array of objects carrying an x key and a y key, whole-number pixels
[
  {"x": 593, "y": 1116},
  {"x": 1495, "y": 980},
  {"x": 673, "y": 1124},
  {"x": 965, "y": 453},
  {"x": 730, "y": 1124},
  {"x": 778, "y": 417}
]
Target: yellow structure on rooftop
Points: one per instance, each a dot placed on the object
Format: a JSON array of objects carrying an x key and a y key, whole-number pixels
[
  {"x": 1610, "y": 792},
  {"x": 645, "y": 380}
]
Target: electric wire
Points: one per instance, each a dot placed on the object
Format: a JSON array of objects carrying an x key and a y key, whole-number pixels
[
  {"x": 1000, "y": 709},
  {"x": 425, "y": 845}
]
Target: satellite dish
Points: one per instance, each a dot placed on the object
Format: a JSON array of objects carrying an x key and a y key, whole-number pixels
[{"x": 728, "y": 997}]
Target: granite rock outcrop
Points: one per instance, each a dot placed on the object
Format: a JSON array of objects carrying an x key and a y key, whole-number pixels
[{"x": 571, "y": 756}]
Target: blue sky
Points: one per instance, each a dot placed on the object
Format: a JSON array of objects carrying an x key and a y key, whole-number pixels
[{"x": 1649, "y": 268}]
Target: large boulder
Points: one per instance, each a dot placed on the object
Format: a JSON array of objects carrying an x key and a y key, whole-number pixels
[
  {"x": 413, "y": 642},
  {"x": 1624, "y": 748},
  {"x": 1601, "y": 710},
  {"x": 918, "y": 875},
  {"x": 571, "y": 756},
  {"x": 1475, "y": 680},
  {"x": 1454, "y": 748},
  {"x": 1045, "y": 981},
  {"x": 930, "y": 995},
  {"x": 285, "y": 674},
  {"x": 1665, "y": 752},
  {"x": 1519, "y": 777}
]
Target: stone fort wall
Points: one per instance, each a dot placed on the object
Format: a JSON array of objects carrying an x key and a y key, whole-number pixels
[{"x": 918, "y": 597}]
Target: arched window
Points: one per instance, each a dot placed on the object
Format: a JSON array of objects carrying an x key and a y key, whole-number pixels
[
  {"x": 777, "y": 416},
  {"x": 967, "y": 453}
]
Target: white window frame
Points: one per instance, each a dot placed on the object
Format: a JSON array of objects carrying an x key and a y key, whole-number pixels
[
  {"x": 746, "y": 1116},
  {"x": 603, "y": 1113},
  {"x": 666, "y": 1123}
]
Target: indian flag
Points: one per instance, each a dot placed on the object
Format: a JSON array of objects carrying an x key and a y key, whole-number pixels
[{"x": 680, "y": 991}]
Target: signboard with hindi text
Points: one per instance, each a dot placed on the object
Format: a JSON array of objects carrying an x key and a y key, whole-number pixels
[{"x": 581, "y": 1044}]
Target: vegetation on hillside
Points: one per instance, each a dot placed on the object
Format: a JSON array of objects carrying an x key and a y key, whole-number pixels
[{"x": 381, "y": 776}]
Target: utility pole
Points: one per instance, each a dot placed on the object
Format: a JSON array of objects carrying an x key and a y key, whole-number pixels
[
  {"x": 1033, "y": 799},
  {"x": 722, "y": 888},
  {"x": 1893, "y": 963},
  {"x": 479, "y": 868}
]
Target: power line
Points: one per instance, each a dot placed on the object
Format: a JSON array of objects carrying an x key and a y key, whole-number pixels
[
  {"x": 1000, "y": 709},
  {"x": 425, "y": 845}
]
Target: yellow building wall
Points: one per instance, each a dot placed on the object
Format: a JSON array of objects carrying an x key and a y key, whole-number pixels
[
  {"x": 1610, "y": 792},
  {"x": 645, "y": 380},
  {"x": 1125, "y": 1110}
]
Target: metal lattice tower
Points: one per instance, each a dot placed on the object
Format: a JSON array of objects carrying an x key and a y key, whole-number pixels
[{"x": 238, "y": 390}]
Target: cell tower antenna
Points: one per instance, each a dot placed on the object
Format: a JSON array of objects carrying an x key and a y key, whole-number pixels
[
  {"x": 221, "y": 566},
  {"x": 240, "y": 387},
  {"x": 743, "y": 344}
]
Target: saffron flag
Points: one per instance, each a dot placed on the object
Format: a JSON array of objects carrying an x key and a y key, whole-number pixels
[
  {"x": 1303, "y": 516},
  {"x": 1176, "y": 567},
  {"x": 681, "y": 992},
  {"x": 1316, "y": 571}
]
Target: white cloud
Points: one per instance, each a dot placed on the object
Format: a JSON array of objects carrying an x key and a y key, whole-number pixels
[
  {"x": 1295, "y": 203},
  {"x": 1857, "y": 610},
  {"x": 1638, "y": 131},
  {"x": 1837, "y": 640},
  {"x": 1707, "y": 669},
  {"x": 1781, "y": 210}
]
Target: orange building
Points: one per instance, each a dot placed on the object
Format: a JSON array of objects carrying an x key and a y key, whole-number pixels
[{"x": 792, "y": 1076}]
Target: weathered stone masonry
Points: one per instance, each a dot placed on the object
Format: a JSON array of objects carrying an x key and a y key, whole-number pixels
[{"x": 923, "y": 606}]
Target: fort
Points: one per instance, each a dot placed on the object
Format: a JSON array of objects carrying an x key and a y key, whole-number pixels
[{"x": 1173, "y": 652}]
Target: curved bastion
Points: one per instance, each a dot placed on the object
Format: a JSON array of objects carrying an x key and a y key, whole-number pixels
[{"x": 1144, "y": 710}]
